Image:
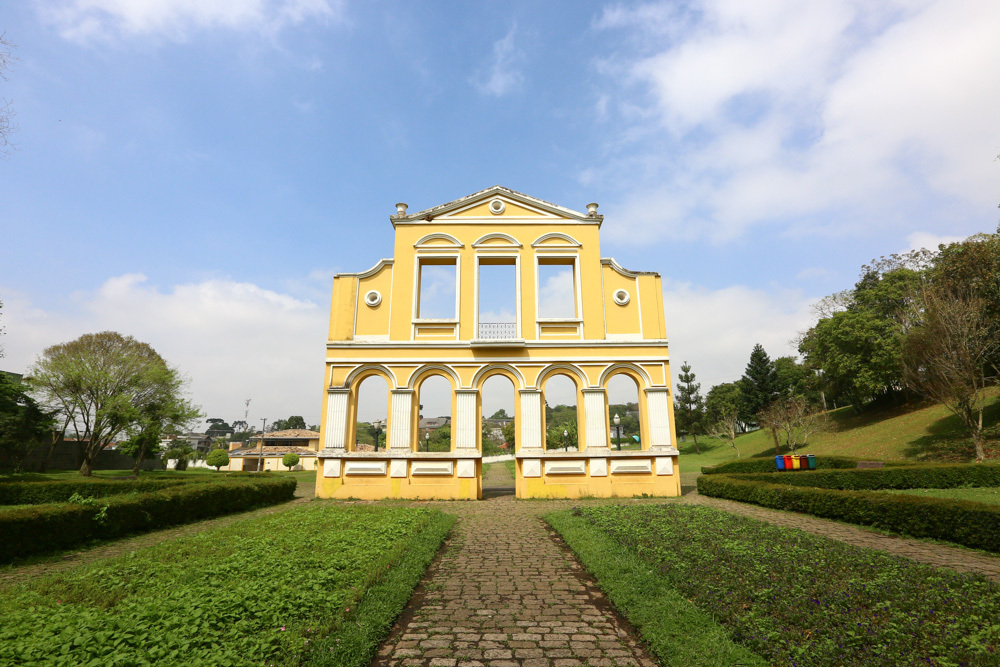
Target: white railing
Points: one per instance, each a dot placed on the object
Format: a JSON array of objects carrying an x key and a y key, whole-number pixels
[{"x": 497, "y": 330}]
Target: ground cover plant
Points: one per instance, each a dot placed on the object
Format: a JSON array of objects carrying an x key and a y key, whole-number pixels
[
  {"x": 256, "y": 592},
  {"x": 988, "y": 495},
  {"x": 800, "y": 599}
]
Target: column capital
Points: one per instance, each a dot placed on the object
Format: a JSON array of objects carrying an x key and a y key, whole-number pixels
[
  {"x": 656, "y": 390},
  {"x": 529, "y": 391},
  {"x": 466, "y": 390},
  {"x": 593, "y": 390},
  {"x": 403, "y": 390},
  {"x": 338, "y": 390}
]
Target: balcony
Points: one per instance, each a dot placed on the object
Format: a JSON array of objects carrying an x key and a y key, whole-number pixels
[{"x": 497, "y": 334}]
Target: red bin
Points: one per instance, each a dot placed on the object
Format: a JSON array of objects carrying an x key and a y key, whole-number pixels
[{"x": 788, "y": 461}]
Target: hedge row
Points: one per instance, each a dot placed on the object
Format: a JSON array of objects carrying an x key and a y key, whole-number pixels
[
  {"x": 45, "y": 528},
  {"x": 767, "y": 465},
  {"x": 937, "y": 476},
  {"x": 971, "y": 524},
  {"x": 61, "y": 490}
]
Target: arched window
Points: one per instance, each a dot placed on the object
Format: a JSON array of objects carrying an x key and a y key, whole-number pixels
[
  {"x": 370, "y": 414},
  {"x": 434, "y": 398},
  {"x": 497, "y": 416},
  {"x": 562, "y": 412},
  {"x": 623, "y": 402}
]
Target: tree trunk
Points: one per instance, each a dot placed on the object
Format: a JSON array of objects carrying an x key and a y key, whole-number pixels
[
  {"x": 138, "y": 459},
  {"x": 694, "y": 436},
  {"x": 822, "y": 398},
  {"x": 85, "y": 466},
  {"x": 774, "y": 436},
  {"x": 977, "y": 438}
]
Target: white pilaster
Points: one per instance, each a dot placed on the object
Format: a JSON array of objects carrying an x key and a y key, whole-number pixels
[
  {"x": 465, "y": 419},
  {"x": 658, "y": 409},
  {"x": 399, "y": 427},
  {"x": 336, "y": 418},
  {"x": 593, "y": 416},
  {"x": 531, "y": 420}
]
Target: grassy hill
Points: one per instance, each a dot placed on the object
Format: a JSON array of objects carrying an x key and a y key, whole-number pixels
[{"x": 915, "y": 431}]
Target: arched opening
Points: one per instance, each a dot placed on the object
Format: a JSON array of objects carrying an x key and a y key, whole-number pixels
[
  {"x": 499, "y": 435},
  {"x": 434, "y": 400},
  {"x": 371, "y": 410},
  {"x": 562, "y": 413},
  {"x": 623, "y": 402}
]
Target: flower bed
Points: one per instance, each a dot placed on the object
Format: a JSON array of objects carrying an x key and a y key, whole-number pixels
[{"x": 800, "y": 599}]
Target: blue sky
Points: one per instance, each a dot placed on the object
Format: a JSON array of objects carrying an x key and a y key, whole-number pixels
[{"x": 193, "y": 172}]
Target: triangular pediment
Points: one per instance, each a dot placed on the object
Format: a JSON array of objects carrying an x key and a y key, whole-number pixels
[{"x": 499, "y": 203}]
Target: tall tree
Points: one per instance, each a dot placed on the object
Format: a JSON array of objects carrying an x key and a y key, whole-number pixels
[
  {"x": 106, "y": 383},
  {"x": 722, "y": 412},
  {"x": 689, "y": 408},
  {"x": 758, "y": 388},
  {"x": 951, "y": 356},
  {"x": 23, "y": 423}
]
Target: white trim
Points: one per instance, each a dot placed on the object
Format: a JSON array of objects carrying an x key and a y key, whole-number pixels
[
  {"x": 664, "y": 465},
  {"x": 619, "y": 466},
  {"x": 564, "y": 467},
  {"x": 364, "y": 467},
  {"x": 598, "y": 467},
  {"x": 374, "y": 301},
  {"x": 598, "y": 342},
  {"x": 438, "y": 236},
  {"x": 331, "y": 468},
  {"x": 517, "y": 294},
  {"x": 547, "y": 209},
  {"x": 417, "y": 284},
  {"x": 397, "y": 468},
  {"x": 569, "y": 241},
  {"x": 418, "y": 467},
  {"x": 577, "y": 286},
  {"x": 511, "y": 241},
  {"x": 370, "y": 272},
  {"x": 531, "y": 467},
  {"x": 466, "y": 468}
]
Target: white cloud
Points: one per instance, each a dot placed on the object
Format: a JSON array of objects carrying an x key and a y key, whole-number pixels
[
  {"x": 918, "y": 240},
  {"x": 233, "y": 340},
  {"x": 715, "y": 330},
  {"x": 503, "y": 75},
  {"x": 86, "y": 20},
  {"x": 782, "y": 112}
]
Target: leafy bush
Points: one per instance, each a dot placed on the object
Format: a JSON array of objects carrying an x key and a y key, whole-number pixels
[
  {"x": 290, "y": 459},
  {"x": 940, "y": 476},
  {"x": 767, "y": 465},
  {"x": 42, "y": 528},
  {"x": 256, "y": 592},
  {"x": 217, "y": 458},
  {"x": 971, "y": 524},
  {"x": 800, "y": 599},
  {"x": 59, "y": 491}
]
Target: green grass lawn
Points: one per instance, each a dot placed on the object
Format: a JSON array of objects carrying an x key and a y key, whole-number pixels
[
  {"x": 784, "y": 596},
  {"x": 317, "y": 584},
  {"x": 989, "y": 495},
  {"x": 915, "y": 431}
]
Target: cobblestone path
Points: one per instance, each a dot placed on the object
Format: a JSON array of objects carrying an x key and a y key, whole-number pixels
[
  {"x": 505, "y": 592},
  {"x": 940, "y": 555}
]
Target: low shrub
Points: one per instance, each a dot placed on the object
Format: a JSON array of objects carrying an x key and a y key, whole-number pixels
[
  {"x": 60, "y": 491},
  {"x": 801, "y": 599},
  {"x": 937, "y": 476},
  {"x": 971, "y": 524},
  {"x": 767, "y": 465},
  {"x": 44, "y": 528}
]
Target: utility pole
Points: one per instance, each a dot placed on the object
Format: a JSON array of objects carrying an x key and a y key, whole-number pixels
[{"x": 260, "y": 458}]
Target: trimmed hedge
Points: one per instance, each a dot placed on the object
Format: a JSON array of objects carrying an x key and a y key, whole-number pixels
[
  {"x": 938, "y": 476},
  {"x": 61, "y": 490},
  {"x": 45, "y": 528},
  {"x": 767, "y": 465},
  {"x": 971, "y": 524}
]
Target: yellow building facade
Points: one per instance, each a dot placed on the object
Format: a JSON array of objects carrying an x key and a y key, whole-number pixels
[{"x": 610, "y": 322}]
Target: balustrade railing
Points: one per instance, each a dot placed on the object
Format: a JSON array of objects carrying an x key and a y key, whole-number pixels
[{"x": 497, "y": 330}]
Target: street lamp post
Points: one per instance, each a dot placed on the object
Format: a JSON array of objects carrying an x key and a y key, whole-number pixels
[
  {"x": 377, "y": 425},
  {"x": 427, "y": 440},
  {"x": 618, "y": 425},
  {"x": 260, "y": 449},
  {"x": 565, "y": 440}
]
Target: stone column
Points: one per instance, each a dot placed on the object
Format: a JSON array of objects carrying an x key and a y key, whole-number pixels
[
  {"x": 658, "y": 414},
  {"x": 402, "y": 410},
  {"x": 596, "y": 426},
  {"x": 531, "y": 420},
  {"x": 465, "y": 419},
  {"x": 337, "y": 403}
]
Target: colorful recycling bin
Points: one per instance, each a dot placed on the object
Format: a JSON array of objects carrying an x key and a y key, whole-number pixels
[
  {"x": 812, "y": 461},
  {"x": 779, "y": 462},
  {"x": 796, "y": 462},
  {"x": 788, "y": 461}
]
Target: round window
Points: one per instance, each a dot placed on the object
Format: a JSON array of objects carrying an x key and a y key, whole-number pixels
[
  {"x": 621, "y": 297},
  {"x": 373, "y": 298},
  {"x": 497, "y": 207}
]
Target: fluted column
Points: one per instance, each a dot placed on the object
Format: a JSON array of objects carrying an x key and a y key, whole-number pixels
[
  {"x": 337, "y": 402},
  {"x": 531, "y": 420},
  {"x": 399, "y": 426},
  {"x": 465, "y": 419},
  {"x": 596, "y": 426}
]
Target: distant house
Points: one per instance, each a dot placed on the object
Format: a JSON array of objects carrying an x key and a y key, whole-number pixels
[
  {"x": 276, "y": 444},
  {"x": 432, "y": 423},
  {"x": 200, "y": 442}
]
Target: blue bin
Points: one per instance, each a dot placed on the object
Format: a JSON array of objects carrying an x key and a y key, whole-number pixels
[{"x": 780, "y": 462}]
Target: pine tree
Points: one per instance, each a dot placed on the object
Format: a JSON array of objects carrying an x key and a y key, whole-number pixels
[
  {"x": 758, "y": 388},
  {"x": 689, "y": 408}
]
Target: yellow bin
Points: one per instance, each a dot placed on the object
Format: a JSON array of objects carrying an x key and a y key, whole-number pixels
[{"x": 796, "y": 462}]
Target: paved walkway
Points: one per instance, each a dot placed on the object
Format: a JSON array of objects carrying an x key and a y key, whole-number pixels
[{"x": 506, "y": 592}]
